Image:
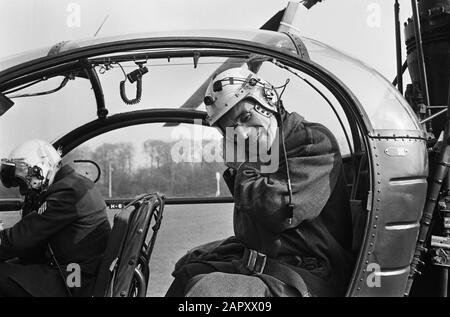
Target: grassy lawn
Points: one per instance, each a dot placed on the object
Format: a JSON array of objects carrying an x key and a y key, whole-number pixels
[{"x": 183, "y": 227}]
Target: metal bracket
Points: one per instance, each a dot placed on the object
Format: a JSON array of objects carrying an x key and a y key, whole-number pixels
[
  {"x": 102, "y": 112},
  {"x": 300, "y": 46},
  {"x": 196, "y": 58},
  {"x": 440, "y": 257},
  {"x": 440, "y": 242},
  {"x": 440, "y": 251}
]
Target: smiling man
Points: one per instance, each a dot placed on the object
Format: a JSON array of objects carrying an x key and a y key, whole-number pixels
[{"x": 292, "y": 224}]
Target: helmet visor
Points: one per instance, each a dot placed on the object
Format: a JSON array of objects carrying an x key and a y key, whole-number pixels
[
  {"x": 7, "y": 174},
  {"x": 13, "y": 173}
]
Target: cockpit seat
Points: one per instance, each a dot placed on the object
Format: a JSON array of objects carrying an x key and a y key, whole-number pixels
[{"x": 124, "y": 270}]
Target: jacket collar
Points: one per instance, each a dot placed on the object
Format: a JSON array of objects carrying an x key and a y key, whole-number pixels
[{"x": 291, "y": 123}]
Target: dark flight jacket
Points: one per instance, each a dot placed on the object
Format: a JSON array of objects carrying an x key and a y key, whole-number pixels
[
  {"x": 317, "y": 243},
  {"x": 72, "y": 219}
]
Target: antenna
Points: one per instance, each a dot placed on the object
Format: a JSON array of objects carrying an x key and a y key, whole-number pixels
[{"x": 101, "y": 25}]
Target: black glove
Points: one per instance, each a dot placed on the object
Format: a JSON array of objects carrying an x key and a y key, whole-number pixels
[{"x": 31, "y": 202}]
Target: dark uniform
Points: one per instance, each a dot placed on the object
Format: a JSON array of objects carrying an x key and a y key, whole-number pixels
[
  {"x": 314, "y": 249},
  {"x": 71, "y": 219}
]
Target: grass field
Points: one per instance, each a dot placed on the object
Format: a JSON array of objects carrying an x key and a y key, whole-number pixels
[{"x": 183, "y": 227}]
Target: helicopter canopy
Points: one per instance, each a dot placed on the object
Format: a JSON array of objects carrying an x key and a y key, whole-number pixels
[
  {"x": 382, "y": 108},
  {"x": 385, "y": 107}
]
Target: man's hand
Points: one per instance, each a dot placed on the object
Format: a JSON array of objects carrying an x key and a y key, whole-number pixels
[
  {"x": 233, "y": 157},
  {"x": 235, "y": 153},
  {"x": 30, "y": 202}
]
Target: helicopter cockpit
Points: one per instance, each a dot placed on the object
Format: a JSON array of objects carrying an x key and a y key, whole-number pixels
[{"x": 121, "y": 89}]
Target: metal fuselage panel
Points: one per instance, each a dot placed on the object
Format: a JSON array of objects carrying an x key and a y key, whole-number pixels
[{"x": 399, "y": 170}]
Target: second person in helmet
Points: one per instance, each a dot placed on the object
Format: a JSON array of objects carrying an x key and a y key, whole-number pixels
[
  {"x": 292, "y": 224},
  {"x": 64, "y": 227}
]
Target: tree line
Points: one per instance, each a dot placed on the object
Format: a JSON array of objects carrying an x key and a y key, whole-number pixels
[{"x": 155, "y": 170}]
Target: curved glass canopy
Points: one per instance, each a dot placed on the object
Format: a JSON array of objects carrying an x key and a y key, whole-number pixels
[
  {"x": 383, "y": 106},
  {"x": 268, "y": 38}
]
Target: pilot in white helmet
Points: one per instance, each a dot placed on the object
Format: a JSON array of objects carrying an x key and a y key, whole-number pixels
[{"x": 63, "y": 223}]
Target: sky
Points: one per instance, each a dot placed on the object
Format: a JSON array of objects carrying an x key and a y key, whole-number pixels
[{"x": 361, "y": 28}]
